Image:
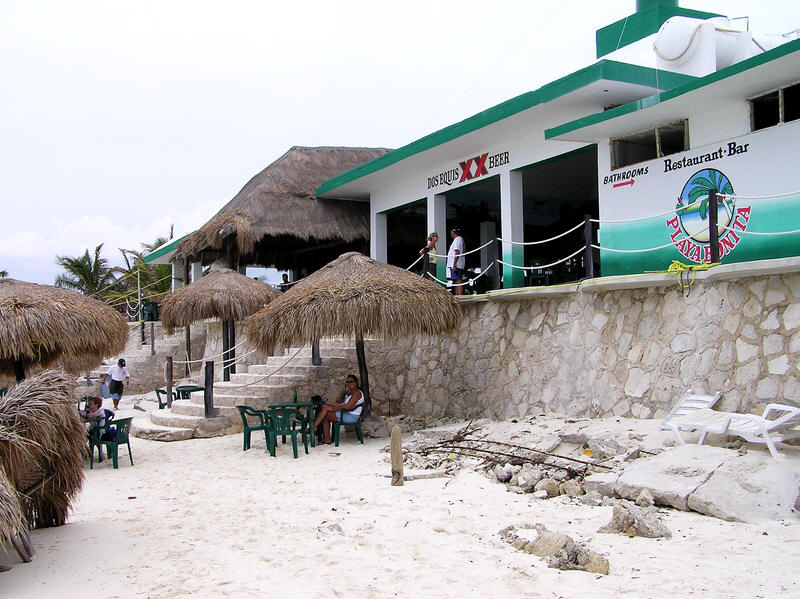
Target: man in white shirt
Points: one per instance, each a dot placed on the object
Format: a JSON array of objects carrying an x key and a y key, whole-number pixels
[
  {"x": 117, "y": 373},
  {"x": 455, "y": 260}
]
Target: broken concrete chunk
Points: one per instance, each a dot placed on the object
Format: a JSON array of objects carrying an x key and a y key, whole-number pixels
[{"x": 636, "y": 521}]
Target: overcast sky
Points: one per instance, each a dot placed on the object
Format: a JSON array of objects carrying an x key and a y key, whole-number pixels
[{"x": 118, "y": 119}]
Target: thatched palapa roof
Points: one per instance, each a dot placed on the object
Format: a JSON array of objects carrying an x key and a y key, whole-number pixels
[
  {"x": 222, "y": 293},
  {"x": 40, "y": 325},
  {"x": 277, "y": 212},
  {"x": 41, "y": 446},
  {"x": 355, "y": 296}
]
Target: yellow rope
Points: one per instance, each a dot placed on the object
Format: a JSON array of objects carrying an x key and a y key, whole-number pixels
[{"x": 679, "y": 268}]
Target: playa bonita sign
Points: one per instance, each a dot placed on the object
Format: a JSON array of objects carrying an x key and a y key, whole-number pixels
[{"x": 469, "y": 169}]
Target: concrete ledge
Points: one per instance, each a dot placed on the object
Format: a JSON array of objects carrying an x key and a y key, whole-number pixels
[
  {"x": 660, "y": 279},
  {"x": 740, "y": 270}
]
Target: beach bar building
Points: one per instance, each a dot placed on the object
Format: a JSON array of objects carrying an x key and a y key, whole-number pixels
[{"x": 614, "y": 169}]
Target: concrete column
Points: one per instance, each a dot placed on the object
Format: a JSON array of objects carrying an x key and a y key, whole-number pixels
[
  {"x": 197, "y": 271},
  {"x": 511, "y": 226},
  {"x": 437, "y": 221},
  {"x": 377, "y": 237}
]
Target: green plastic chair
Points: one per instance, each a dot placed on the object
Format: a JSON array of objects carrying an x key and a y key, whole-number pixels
[
  {"x": 103, "y": 436},
  {"x": 355, "y": 425},
  {"x": 247, "y": 428},
  {"x": 282, "y": 421},
  {"x": 163, "y": 403}
]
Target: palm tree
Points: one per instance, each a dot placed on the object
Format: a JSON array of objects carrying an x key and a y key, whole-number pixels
[
  {"x": 3, "y": 273},
  {"x": 86, "y": 274},
  {"x": 155, "y": 280}
]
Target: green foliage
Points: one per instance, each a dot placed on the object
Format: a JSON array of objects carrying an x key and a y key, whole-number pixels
[
  {"x": 86, "y": 274},
  {"x": 3, "y": 273}
]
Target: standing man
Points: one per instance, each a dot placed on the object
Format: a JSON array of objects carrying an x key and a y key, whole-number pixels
[
  {"x": 284, "y": 286},
  {"x": 117, "y": 373},
  {"x": 455, "y": 261}
]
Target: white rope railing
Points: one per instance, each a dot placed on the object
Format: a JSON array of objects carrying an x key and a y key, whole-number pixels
[
  {"x": 560, "y": 235},
  {"x": 642, "y": 250},
  {"x": 417, "y": 260},
  {"x": 470, "y": 282},
  {"x": 541, "y": 266},
  {"x": 265, "y": 377},
  {"x": 210, "y": 358},
  {"x": 478, "y": 249},
  {"x": 769, "y": 197}
]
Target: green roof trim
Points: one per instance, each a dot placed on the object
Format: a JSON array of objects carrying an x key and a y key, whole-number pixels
[
  {"x": 734, "y": 69},
  {"x": 641, "y": 24},
  {"x": 164, "y": 249},
  {"x": 605, "y": 69}
]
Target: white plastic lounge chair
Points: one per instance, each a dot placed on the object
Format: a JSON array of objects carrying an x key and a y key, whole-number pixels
[
  {"x": 750, "y": 427},
  {"x": 689, "y": 403}
]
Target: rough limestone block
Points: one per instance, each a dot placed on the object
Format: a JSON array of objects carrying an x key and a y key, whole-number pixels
[
  {"x": 672, "y": 475},
  {"x": 748, "y": 488}
]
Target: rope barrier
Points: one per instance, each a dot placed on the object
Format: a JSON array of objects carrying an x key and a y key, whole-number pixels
[
  {"x": 210, "y": 358},
  {"x": 575, "y": 228},
  {"x": 265, "y": 377},
  {"x": 679, "y": 269},
  {"x": 470, "y": 282},
  {"x": 539, "y": 267},
  {"x": 738, "y": 197},
  {"x": 417, "y": 260},
  {"x": 660, "y": 247},
  {"x": 491, "y": 241}
]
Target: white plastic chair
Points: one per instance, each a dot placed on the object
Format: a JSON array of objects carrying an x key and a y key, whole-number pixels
[
  {"x": 769, "y": 428},
  {"x": 689, "y": 403}
]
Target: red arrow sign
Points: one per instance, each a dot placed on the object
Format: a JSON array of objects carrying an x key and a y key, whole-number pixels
[{"x": 624, "y": 183}]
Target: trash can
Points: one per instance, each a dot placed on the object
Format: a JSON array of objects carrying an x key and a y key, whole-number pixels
[{"x": 150, "y": 311}]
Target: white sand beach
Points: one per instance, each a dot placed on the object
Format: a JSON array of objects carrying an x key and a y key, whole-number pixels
[{"x": 203, "y": 518}]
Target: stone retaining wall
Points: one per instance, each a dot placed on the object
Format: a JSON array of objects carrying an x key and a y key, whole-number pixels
[{"x": 620, "y": 352}]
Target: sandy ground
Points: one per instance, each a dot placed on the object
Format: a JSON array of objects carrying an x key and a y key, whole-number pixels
[{"x": 203, "y": 518}]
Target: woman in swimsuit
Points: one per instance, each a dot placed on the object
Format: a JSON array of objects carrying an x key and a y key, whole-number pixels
[{"x": 331, "y": 411}]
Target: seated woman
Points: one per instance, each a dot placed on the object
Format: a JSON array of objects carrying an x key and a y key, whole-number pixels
[
  {"x": 94, "y": 409},
  {"x": 332, "y": 411}
]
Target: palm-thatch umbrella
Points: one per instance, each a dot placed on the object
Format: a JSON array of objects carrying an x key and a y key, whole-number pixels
[
  {"x": 42, "y": 440},
  {"x": 355, "y": 296},
  {"x": 222, "y": 293},
  {"x": 13, "y": 528},
  {"x": 276, "y": 214},
  {"x": 40, "y": 325}
]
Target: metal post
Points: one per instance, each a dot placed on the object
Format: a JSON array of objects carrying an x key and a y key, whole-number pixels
[
  {"x": 139, "y": 299},
  {"x": 208, "y": 391},
  {"x": 168, "y": 377},
  {"x": 315, "y": 359},
  {"x": 152, "y": 338},
  {"x": 498, "y": 252},
  {"x": 713, "y": 217},
  {"x": 588, "y": 255}
]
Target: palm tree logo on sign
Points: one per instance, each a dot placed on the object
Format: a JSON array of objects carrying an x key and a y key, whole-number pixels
[
  {"x": 693, "y": 207},
  {"x": 691, "y": 216}
]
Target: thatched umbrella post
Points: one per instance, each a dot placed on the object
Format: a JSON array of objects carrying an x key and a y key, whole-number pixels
[
  {"x": 363, "y": 375},
  {"x": 355, "y": 296},
  {"x": 41, "y": 325},
  {"x": 222, "y": 293}
]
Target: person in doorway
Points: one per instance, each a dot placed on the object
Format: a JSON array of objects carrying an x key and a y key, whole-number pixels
[
  {"x": 455, "y": 261},
  {"x": 117, "y": 374},
  {"x": 351, "y": 400},
  {"x": 430, "y": 267},
  {"x": 285, "y": 284}
]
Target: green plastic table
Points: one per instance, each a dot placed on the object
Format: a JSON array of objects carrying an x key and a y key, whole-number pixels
[
  {"x": 309, "y": 417},
  {"x": 185, "y": 390}
]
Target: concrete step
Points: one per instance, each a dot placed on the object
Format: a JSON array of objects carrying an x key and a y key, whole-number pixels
[
  {"x": 183, "y": 407},
  {"x": 201, "y": 427},
  {"x": 295, "y": 367},
  {"x": 279, "y": 379},
  {"x": 143, "y": 428}
]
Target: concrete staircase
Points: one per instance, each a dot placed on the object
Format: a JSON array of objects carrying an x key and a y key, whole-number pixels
[{"x": 262, "y": 385}]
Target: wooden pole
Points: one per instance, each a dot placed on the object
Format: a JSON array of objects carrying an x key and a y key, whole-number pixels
[
  {"x": 363, "y": 374},
  {"x": 152, "y": 338},
  {"x": 713, "y": 232},
  {"x": 315, "y": 358},
  {"x": 19, "y": 370},
  {"x": 397, "y": 457},
  {"x": 208, "y": 391},
  {"x": 232, "y": 347},
  {"x": 188, "y": 327},
  {"x": 226, "y": 374},
  {"x": 168, "y": 379}
]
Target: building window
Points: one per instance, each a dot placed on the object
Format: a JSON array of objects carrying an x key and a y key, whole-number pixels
[
  {"x": 646, "y": 145},
  {"x": 780, "y": 106}
]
